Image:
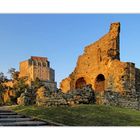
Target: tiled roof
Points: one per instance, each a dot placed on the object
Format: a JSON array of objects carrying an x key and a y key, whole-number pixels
[{"x": 39, "y": 58}]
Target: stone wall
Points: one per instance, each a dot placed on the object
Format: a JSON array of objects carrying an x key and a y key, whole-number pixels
[
  {"x": 137, "y": 81},
  {"x": 102, "y": 59},
  {"x": 85, "y": 95},
  {"x": 51, "y": 85},
  {"x": 128, "y": 101},
  {"x": 38, "y": 68},
  {"x": 43, "y": 97},
  {"x": 24, "y": 69},
  {"x": 114, "y": 82},
  {"x": 79, "y": 96}
]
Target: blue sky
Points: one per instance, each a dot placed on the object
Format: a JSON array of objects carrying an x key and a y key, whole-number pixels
[{"x": 62, "y": 38}]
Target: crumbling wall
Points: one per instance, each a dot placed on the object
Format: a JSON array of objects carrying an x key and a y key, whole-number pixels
[
  {"x": 116, "y": 99},
  {"x": 137, "y": 77},
  {"x": 103, "y": 58},
  {"x": 131, "y": 85},
  {"x": 84, "y": 95}
]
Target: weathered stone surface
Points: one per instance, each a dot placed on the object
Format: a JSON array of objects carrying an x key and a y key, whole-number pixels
[
  {"x": 99, "y": 77},
  {"x": 38, "y": 68},
  {"x": 116, "y": 99},
  {"x": 83, "y": 95},
  {"x": 77, "y": 96},
  {"x": 101, "y": 67}
]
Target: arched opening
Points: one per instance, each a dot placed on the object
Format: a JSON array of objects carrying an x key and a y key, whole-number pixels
[
  {"x": 80, "y": 83},
  {"x": 100, "y": 83},
  {"x": 39, "y": 63}
]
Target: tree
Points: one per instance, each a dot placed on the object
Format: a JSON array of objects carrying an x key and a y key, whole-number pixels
[
  {"x": 3, "y": 78},
  {"x": 2, "y": 90},
  {"x": 36, "y": 84},
  {"x": 14, "y": 74},
  {"x": 19, "y": 87}
]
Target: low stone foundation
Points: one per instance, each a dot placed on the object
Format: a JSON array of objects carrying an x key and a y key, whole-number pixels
[
  {"x": 78, "y": 96},
  {"x": 85, "y": 95},
  {"x": 116, "y": 99},
  {"x": 43, "y": 97}
]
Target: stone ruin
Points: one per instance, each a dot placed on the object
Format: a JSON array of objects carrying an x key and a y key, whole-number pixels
[
  {"x": 99, "y": 77},
  {"x": 114, "y": 82},
  {"x": 44, "y": 97}
]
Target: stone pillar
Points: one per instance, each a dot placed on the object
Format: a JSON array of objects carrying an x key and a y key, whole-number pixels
[
  {"x": 115, "y": 40},
  {"x": 132, "y": 77}
]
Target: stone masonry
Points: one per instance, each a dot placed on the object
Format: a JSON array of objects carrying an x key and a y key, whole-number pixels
[
  {"x": 38, "y": 67},
  {"x": 101, "y": 67}
]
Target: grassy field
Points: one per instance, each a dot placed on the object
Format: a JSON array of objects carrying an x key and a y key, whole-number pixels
[{"x": 83, "y": 115}]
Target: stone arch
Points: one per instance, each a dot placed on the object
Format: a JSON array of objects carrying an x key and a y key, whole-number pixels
[
  {"x": 81, "y": 82},
  {"x": 100, "y": 83}
]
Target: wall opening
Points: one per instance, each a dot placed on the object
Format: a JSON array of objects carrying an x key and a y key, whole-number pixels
[
  {"x": 100, "y": 83},
  {"x": 80, "y": 83}
]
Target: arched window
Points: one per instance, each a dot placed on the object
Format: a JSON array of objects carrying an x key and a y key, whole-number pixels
[
  {"x": 34, "y": 63},
  {"x": 39, "y": 63},
  {"x": 100, "y": 83},
  {"x": 44, "y": 64}
]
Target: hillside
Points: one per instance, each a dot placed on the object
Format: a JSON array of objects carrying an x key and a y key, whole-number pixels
[{"x": 83, "y": 115}]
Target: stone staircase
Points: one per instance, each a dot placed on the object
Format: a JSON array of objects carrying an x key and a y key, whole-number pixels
[{"x": 10, "y": 118}]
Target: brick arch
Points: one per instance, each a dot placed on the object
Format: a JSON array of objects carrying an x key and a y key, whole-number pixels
[
  {"x": 100, "y": 83},
  {"x": 80, "y": 82}
]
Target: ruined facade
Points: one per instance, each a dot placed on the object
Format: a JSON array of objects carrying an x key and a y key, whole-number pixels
[
  {"x": 101, "y": 67},
  {"x": 38, "y": 67}
]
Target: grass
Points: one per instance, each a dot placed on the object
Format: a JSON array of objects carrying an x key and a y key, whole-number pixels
[{"x": 83, "y": 115}]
